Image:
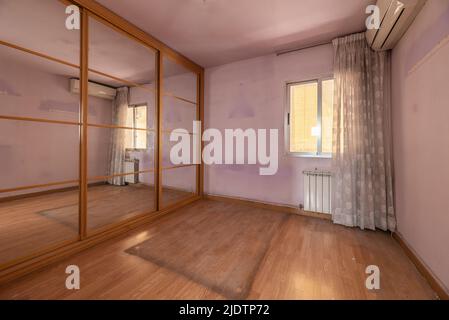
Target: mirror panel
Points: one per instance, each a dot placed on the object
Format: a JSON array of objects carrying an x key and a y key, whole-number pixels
[
  {"x": 178, "y": 184},
  {"x": 110, "y": 202},
  {"x": 179, "y": 112},
  {"x": 40, "y": 26},
  {"x": 39, "y": 129},
  {"x": 122, "y": 127}
]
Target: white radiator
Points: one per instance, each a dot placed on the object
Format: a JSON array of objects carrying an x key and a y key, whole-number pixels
[
  {"x": 317, "y": 191},
  {"x": 132, "y": 165}
]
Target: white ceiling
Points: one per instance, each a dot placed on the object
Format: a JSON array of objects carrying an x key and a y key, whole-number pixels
[{"x": 215, "y": 32}]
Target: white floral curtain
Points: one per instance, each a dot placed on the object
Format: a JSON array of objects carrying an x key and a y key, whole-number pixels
[
  {"x": 117, "y": 145},
  {"x": 362, "y": 165}
]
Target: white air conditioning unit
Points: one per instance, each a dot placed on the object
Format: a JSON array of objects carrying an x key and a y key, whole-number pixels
[
  {"x": 94, "y": 89},
  {"x": 395, "y": 16}
]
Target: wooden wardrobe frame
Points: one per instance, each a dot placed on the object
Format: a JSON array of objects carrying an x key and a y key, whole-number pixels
[{"x": 58, "y": 251}]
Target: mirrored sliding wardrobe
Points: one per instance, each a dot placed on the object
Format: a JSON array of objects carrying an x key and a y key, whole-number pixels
[{"x": 87, "y": 106}]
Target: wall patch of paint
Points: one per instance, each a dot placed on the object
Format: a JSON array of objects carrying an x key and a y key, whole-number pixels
[
  {"x": 241, "y": 109},
  {"x": 241, "y": 112},
  {"x": 7, "y": 90},
  {"x": 59, "y": 106}
]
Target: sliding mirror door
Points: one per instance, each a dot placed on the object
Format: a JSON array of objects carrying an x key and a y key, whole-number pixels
[
  {"x": 179, "y": 111},
  {"x": 39, "y": 129},
  {"x": 122, "y": 127},
  {"x": 80, "y": 147}
]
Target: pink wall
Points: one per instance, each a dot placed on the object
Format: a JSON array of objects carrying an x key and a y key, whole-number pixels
[
  {"x": 421, "y": 131},
  {"x": 251, "y": 94}
]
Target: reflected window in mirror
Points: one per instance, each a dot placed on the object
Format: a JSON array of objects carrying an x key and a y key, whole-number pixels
[{"x": 136, "y": 140}]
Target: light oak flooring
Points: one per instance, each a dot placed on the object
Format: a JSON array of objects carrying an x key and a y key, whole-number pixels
[
  {"x": 253, "y": 253},
  {"x": 36, "y": 222}
]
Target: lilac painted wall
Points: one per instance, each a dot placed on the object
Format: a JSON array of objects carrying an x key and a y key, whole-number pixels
[
  {"x": 421, "y": 129},
  {"x": 251, "y": 94}
]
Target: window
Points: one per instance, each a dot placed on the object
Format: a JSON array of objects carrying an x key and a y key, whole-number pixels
[
  {"x": 309, "y": 118},
  {"x": 136, "y": 118}
]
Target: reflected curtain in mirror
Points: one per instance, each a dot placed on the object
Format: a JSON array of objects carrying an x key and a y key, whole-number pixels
[{"x": 118, "y": 138}]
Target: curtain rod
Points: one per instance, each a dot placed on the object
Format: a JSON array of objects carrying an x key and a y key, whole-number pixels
[
  {"x": 302, "y": 48},
  {"x": 313, "y": 45}
]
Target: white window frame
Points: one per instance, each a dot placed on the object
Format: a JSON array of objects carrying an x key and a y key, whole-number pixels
[
  {"x": 134, "y": 106},
  {"x": 317, "y": 154}
]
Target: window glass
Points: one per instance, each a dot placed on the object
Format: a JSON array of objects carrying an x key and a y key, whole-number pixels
[
  {"x": 129, "y": 136},
  {"x": 327, "y": 115},
  {"x": 310, "y": 117},
  {"x": 136, "y": 118},
  {"x": 303, "y": 117}
]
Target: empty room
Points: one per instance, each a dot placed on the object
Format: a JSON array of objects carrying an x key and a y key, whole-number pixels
[{"x": 224, "y": 150}]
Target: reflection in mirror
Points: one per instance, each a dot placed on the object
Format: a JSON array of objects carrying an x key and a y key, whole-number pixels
[
  {"x": 102, "y": 97},
  {"x": 120, "y": 174},
  {"x": 118, "y": 61},
  {"x": 178, "y": 112},
  {"x": 39, "y": 128},
  {"x": 31, "y": 86},
  {"x": 119, "y": 56},
  {"x": 179, "y": 81},
  {"x": 37, "y": 219},
  {"x": 115, "y": 199},
  {"x": 35, "y": 153},
  {"x": 40, "y": 26},
  {"x": 121, "y": 135},
  {"x": 39, "y": 161},
  {"x": 107, "y": 146},
  {"x": 178, "y": 184},
  {"x": 174, "y": 154}
]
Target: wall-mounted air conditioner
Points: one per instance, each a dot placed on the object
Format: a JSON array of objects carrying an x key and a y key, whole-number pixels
[
  {"x": 94, "y": 89},
  {"x": 395, "y": 17}
]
